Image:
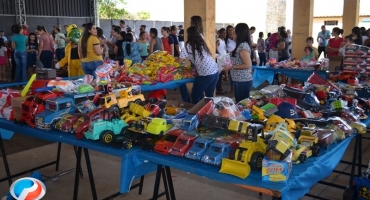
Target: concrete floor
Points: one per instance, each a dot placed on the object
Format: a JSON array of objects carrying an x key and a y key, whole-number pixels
[{"x": 26, "y": 152}]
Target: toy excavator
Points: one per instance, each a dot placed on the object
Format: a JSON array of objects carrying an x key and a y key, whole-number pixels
[
  {"x": 126, "y": 97},
  {"x": 248, "y": 156}
]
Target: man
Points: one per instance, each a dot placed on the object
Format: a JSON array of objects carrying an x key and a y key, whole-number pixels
[
  {"x": 252, "y": 30},
  {"x": 143, "y": 28},
  {"x": 111, "y": 44},
  {"x": 2, "y": 35},
  {"x": 173, "y": 32},
  {"x": 181, "y": 37},
  {"x": 323, "y": 38},
  {"x": 122, "y": 24}
]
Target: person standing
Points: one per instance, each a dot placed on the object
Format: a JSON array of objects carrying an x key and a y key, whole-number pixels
[
  {"x": 46, "y": 46},
  {"x": 32, "y": 47},
  {"x": 155, "y": 41},
  {"x": 334, "y": 43},
  {"x": 144, "y": 43},
  {"x": 122, "y": 24},
  {"x": 181, "y": 36},
  {"x": 261, "y": 49},
  {"x": 323, "y": 38},
  {"x": 197, "y": 51},
  {"x": 252, "y": 30},
  {"x": 61, "y": 44},
  {"x": 118, "y": 51},
  {"x": 19, "y": 44},
  {"x": 290, "y": 40},
  {"x": 283, "y": 46},
  {"x": 3, "y": 60},
  {"x": 90, "y": 50},
  {"x": 131, "y": 49},
  {"x": 167, "y": 41},
  {"x": 112, "y": 43},
  {"x": 2, "y": 35},
  {"x": 357, "y": 37},
  {"x": 230, "y": 46},
  {"x": 273, "y": 43},
  {"x": 25, "y": 29},
  {"x": 221, "y": 50},
  {"x": 173, "y": 32},
  {"x": 143, "y": 28}
]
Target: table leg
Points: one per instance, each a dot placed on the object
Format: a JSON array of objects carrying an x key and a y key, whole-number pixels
[
  {"x": 91, "y": 176},
  {"x": 170, "y": 183},
  {"x": 77, "y": 178},
  {"x": 165, "y": 183},
  {"x": 157, "y": 182},
  {"x": 359, "y": 164},
  {"x": 141, "y": 185},
  {"x": 58, "y": 157},
  {"x": 80, "y": 168},
  {"x": 7, "y": 170},
  {"x": 354, "y": 158}
]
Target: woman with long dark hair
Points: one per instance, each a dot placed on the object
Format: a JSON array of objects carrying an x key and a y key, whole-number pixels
[
  {"x": 144, "y": 45},
  {"x": 241, "y": 71},
  {"x": 118, "y": 51},
  {"x": 155, "y": 42},
  {"x": 131, "y": 49},
  {"x": 230, "y": 46},
  {"x": 19, "y": 44},
  {"x": 90, "y": 50},
  {"x": 46, "y": 47},
  {"x": 32, "y": 47},
  {"x": 197, "y": 51},
  {"x": 357, "y": 37},
  {"x": 196, "y": 21}
]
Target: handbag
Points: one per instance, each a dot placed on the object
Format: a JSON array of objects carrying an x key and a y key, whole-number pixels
[{"x": 39, "y": 64}]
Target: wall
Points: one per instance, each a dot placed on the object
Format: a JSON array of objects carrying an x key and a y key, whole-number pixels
[{"x": 275, "y": 15}]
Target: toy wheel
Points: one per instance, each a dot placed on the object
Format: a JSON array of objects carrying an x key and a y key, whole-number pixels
[
  {"x": 302, "y": 158},
  {"x": 128, "y": 145},
  {"x": 267, "y": 138},
  {"x": 315, "y": 150},
  {"x": 138, "y": 101},
  {"x": 106, "y": 137},
  {"x": 286, "y": 154},
  {"x": 350, "y": 194},
  {"x": 232, "y": 154},
  {"x": 256, "y": 161},
  {"x": 322, "y": 101}
]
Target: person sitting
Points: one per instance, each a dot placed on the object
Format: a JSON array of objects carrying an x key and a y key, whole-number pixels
[
  {"x": 308, "y": 56},
  {"x": 315, "y": 53}
]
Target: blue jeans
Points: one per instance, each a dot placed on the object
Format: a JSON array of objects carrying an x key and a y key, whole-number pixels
[
  {"x": 46, "y": 58},
  {"x": 262, "y": 59},
  {"x": 204, "y": 84},
  {"x": 60, "y": 53},
  {"x": 90, "y": 67},
  {"x": 21, "y": 65},
  {"x": 242, "y": 90}
]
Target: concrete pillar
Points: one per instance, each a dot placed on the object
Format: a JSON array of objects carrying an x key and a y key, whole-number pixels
[
  {"x": 302, "y": 26},
  {"x": 350, "y": 15},
  {"x": 205, "y": 9}
]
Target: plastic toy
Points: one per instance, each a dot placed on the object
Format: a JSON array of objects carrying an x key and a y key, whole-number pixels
[
  {"x": 27, "y": 87},
  {"x": 306, "y": 100},
  {"x": 127, "y": 140},
  {"x": 217, "y": 151},
  {"x": 108, "y": 128},
  {"x": 84, "y": 126},
  {"x": 55, "y": 109},
  {"x": 125, "y": 99},
  {"x": 58, "y": 124},
  {"x": 358, "y": 127},
  {"x": 215, "y": 121},
  {"x": 139, "y": 126},
  {"x": 199, "y": 148},
  {"x": 85, "y": 106},
  {"x": 281, "y": 143},
  {"x": 156, "y": 107},
  {"x": 190, "y": 122},
  {"x": 135, "y": 112},
  {"x": 158, "y": 126},
  {"x": 182, "y": 144},
  {"x": 325, "y": 136},
  {"x": 248, "y": 155},
  {"x": 70, "y": 125},
  {"x": 238, "y": 126},
  {"x": 167, "y": 141},
  {"x": 147, "y": 142}
]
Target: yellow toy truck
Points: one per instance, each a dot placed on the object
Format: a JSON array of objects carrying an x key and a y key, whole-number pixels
[
  {"x": 135, "y": 112},
  {"x": 248, "y": 156},
  {"x": 281, "y": 141},
  {"x": 126, "y": 97},
  {"x": 307, "y": 145},
  {"x": 238, "y": 126}
]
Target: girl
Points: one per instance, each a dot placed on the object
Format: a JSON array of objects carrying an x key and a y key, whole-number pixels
[
  {"x": 3, "y": 59},
  {"x": 32, "y": 47},
  {"x": 197, "y": 51},
  {"x": 19, "y": 44},
  {"x": 307, "y": 54},
  {"x": 90, "y": 50},
  {"x": 241, "y": 71},
  {"x": 118, "y": 51},
  {"x": 283, "y": 46},
  {"x": 155, "y": 42},
  {"x": 144, "y": 45},
  {"x": 46, "y": 47},
  {"x": 131, "y": 49},
  {"x": 230, "y": 46},
  {"x": 221, "y": 49},
  {"x": 196, "y": 21},
  {"x": 168, "y": 44},
  {"x": 261, "y": 49},
  {"x": 334, "y": 43}
]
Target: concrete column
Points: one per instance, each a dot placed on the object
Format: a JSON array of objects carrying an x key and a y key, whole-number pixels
[
  {"x": 205, "y": 9},
  {"x": 350, "y": 15},
  {"x": 302, "y": 26}
]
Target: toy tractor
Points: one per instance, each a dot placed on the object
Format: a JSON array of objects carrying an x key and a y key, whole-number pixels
[
  {"x": 125, "y": 99},
  {"x": 107, "y": 129},
  {"x": 248, "y": 156}
]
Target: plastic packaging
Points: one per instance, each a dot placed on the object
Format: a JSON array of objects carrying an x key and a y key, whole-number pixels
[
  {"x": 103, "y": 74},
  {"x": 223, "y": 61},
  {"x": 85, "y": 106},
  {"x": 84, "y": 88}
]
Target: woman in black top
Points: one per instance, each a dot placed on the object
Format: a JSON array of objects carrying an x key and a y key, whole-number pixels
[
  {"x": 118, "y": 48},
  {"x": 356, "y": 33}
]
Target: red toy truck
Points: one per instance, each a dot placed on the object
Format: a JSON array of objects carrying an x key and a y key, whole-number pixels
[
  {"x": 84, "y": 126},
  {"x": 164, "y": 145},
  {"x": 183, "y": 143}
]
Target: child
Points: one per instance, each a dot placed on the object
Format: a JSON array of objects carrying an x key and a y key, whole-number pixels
[
  {"x": 307, "y": 54},
  {"x": 255, "y": 57},
  {"x": 3, "y": 59},
  {"x": 315, "y": 53},
  {"x": 32, "y": 47}
]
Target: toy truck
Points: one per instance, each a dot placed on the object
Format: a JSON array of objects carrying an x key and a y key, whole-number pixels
[
  {"x": 280, "y": 142},
  {"x": 307, "y": 145},
  {"x": 58, "y": 124},
  {"x": 167, "y": 141},
  {"x": 158, "y": 126},
  {"x": 190, "y": 122},
  {"x": 199, "y": 148},
  {"x": 135, "y": 112},
  {"x": 248, "y": 155},
  {"x": 107, "y": 129},
  {"x": 55, "y": 109},
  {"x": 182, "y": 144},
  {"x": 126, "y": 97},
  {"x": 218, "y": 151},
  {"x": 215, "y": 121},
  {"x": 84, "y": 126},
  {"x": 238, "y": 126},
  {"x": 71, "y": 124},
  {"x": 325, "y": 137}
]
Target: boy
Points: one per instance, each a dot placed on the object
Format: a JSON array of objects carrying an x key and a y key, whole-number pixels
[{"x": 314, "y": 53}]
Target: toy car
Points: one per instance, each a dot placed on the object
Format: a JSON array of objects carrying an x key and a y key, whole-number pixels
[
  {"x": 80, "y": 129},
  {"x": 156, "y": 107},
  {"x": 126, "y": 97},
  {"x": 139, "y": 126},
  {"x": 217, "y": 151},
  {"x": 215, "y": 121},
  {"x": 306, "y": 100},
  {"x": 58, "y": 124},
  {"x": 325, "y": 136},
  {"x": 190, "y": 122},
  {"x": 158, "y": 126},
  {"x": 358, "y": 127},
  {"x": 199, "y": 148},
  {"x": 127, "y": 140},
  {"x": 167, "y": 141},
  {"x": 70, "y": 125},
  {"x": 182, "y": 144}
]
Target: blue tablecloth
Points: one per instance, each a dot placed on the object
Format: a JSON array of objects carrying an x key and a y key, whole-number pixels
[
  {"x": 262, "y": 74},
  {"x": 168, "y": 85}
]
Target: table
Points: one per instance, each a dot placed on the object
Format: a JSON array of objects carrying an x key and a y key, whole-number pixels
[
  {"x": 262, "y": 74},
  {"x": 168, "y": 85}
]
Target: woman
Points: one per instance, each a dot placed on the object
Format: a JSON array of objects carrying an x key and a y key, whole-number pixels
[
  {"x": 168, "y": 44},
  {"x": 46, "y": 47},
  {"x": 131, "y": 49},
  {"x": 364, "y": 36},
  {"x": 61, "y": 44},
  {"x": 241, "y": 71},
  {"x": 32, "y": 47},
  {"x": 334, "y": 43},
  {"x": 197, "y": 51},
  {"x": 144, "y": 45},
  {"x": 283, "y": 46},
  {"x": 261, "y": 49},
  {"x": 155, "y": 41},
  {"x": 357, "y": 37},
  {"x": 221, "y": 50},
  {"x": 90, "y": 50},
  {"x": 230, "y": 46},
  {"x": 196, "y": 21},
  {"x": 19, "y": 44},
  {"x": 267, "y": 45},
  {"x": 118, "y": 51}
]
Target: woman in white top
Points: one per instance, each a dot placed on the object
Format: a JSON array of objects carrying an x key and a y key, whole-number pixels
[
  {"x": 221, "y": 50},
  {"x": 230, "y": 46},
  {"x": 197, "y": 51}
]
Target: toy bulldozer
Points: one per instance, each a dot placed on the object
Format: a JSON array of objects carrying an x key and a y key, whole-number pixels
[{"x": 248, "y": 156}]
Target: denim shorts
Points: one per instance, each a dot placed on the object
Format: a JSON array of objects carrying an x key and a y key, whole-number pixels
[{"x": 90, "y": 67}]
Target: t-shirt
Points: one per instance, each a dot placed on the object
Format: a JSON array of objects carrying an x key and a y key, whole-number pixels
[
  {"x": 261, "y": 45},
  {"x": 364, "y": 38},
  {"x": 118, "y": 44},
  {"x": 135, "y": 49},
  {"x": 221, "y": 48},
  {"x": 175, "y": 42},
  {"x": 3, "y": 51},
  {"x": 241, "y": 75},
  {"x": 205, "y": 65},
  {"x": 111, "y": 49},
  {"x": 274, "y": 40},
  {"x": 285, "y": 52},
  {"x": 4, "y": 38},
  {"x": 91, "y": 55},
  {"x": 358, "y": 41},
  {"x": 230, "y": 45},
  {"x": 314, "y": 53},
  {"x": 323, "y": 36},
  {"x": 144, "y": 49},
  {"x": 60, "y": 42},
  {"x": 32, "y": 45},
  {"x": 167, "y": 44},
  {"x": 20, "y": 42},
  {"x": 46, "y": 40},
  {"x": 181, "y": 38},
  {"x": 333, "y": 43}
]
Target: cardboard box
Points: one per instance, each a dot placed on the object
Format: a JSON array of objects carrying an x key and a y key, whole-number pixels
[
  {"x": 276, "y": 170},
  {"x": 334, "y": 63},
  {"x": 46, "y": 74},
  {"x": 17, "y": 106}
]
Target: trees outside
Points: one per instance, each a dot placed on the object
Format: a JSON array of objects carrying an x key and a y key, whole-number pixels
[{"x": 108, "y": 10}]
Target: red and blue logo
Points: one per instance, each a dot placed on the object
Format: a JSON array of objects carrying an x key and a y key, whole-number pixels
[{"x": 27, "y": 189}]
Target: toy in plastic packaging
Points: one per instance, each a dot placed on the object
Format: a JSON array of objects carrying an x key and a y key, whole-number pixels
[
  {"x": 84, "y": 88},
  {"x": 272, "y": 90},
  {"x": 223, "y": 61},
  {"x": 86, "y": 106},
  {"x": 103, "y": 73}
]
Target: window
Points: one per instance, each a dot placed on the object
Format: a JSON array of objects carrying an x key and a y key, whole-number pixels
[
  {"x": 200, "y": 145},
  {"x": 331, "y": 23},
  {"x": 366, "y": 20},
  {"x": 63, "y": 106}
]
